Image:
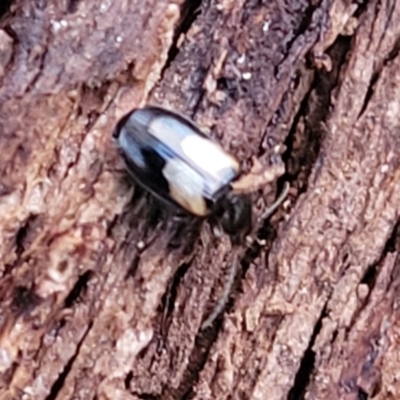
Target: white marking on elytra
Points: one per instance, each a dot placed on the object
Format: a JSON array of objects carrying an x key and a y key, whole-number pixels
[
  {"x": 209, "y": 156},
  {"x": 185, "y": 186}
]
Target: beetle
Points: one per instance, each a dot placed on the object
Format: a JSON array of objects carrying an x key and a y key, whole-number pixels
[
  {"x": 172, "y": 158},
  {"x": 169, "y": 156}
]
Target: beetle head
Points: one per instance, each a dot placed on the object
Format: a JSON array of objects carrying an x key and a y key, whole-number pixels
[{"x": 236, "y": 216}]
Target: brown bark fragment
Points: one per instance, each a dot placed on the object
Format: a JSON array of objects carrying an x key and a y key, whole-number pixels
[{"x": 96, "y": 302}]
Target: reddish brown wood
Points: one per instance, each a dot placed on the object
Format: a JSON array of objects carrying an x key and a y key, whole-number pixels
[{"x": 86, "y": 312}]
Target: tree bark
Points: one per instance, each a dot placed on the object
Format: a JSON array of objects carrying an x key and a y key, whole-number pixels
[{"x": 96, "y": 302}]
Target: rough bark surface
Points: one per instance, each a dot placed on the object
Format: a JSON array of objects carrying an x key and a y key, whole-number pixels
[{"x": 96, "y": 302}]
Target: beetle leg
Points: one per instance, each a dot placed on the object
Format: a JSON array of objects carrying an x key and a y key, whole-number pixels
[
  {"x": 183, "y": 229},
  {"x": 224, "y": 297},
  {"x": 273, "y": 207}
]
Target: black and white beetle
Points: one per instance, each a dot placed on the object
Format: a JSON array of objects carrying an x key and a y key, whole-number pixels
[{"x": 172, "y": 158}]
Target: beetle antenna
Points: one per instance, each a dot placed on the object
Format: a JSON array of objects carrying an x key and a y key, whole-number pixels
[
  {"x": 224, "y": 297},
  {"x": 273, "y": 207}
]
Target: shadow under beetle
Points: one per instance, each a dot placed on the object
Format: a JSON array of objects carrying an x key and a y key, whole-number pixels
[{"x": 173, "y": 159}]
